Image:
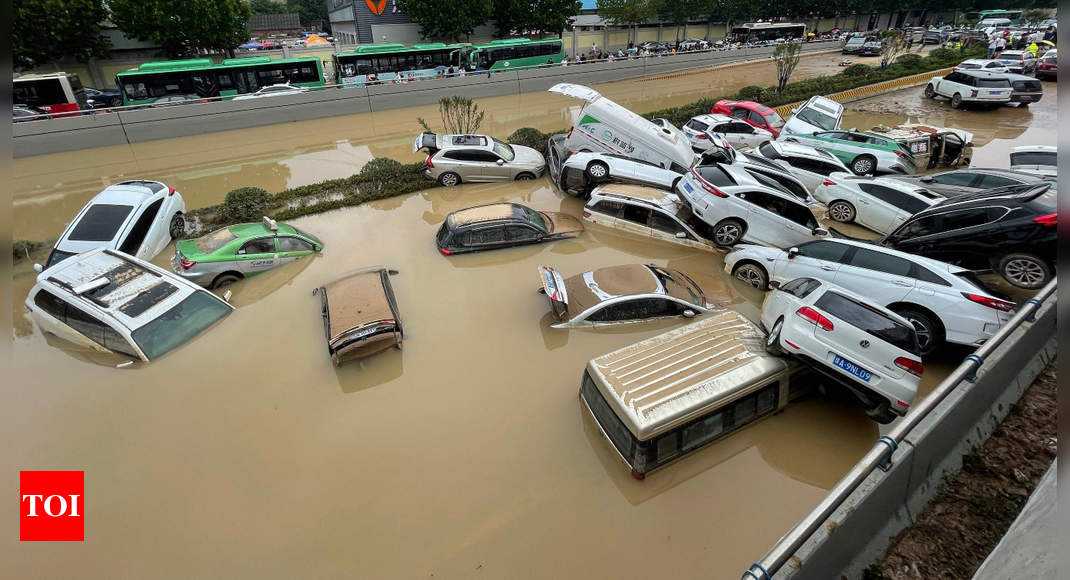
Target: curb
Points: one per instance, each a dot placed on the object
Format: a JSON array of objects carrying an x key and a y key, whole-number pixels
[
  {"x": 871, "y": 90},
  {"x": 725, "y": 65}
]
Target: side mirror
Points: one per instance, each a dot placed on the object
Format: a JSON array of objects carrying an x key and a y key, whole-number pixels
[
  {"x": 926, "y": 179},
  {"x": 820, "y": 232},
  {"x": 38, "y": 268},
  {"x": 681, "y": 235},
  {"x": 792, "y": 252},
  {"x": 816, "y": 133},
  {"x": 689, "y": 313},
  {"x": 773, "y": 284},
  {"x": 500, "y": 162},
  {"x": 227, "y": 295}
]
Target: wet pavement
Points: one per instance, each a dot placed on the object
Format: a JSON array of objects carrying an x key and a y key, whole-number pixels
[{"x": 246, "y": 452}]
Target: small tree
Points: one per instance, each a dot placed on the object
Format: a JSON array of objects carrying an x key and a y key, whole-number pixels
[
  {"x": 460, "y": 115},
  {"x": 786, "y": 57},
  {"x": 895, "y": 44}
]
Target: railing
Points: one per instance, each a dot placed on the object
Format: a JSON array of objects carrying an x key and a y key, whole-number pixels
[
  {"x": 870, "y": 90},
  {"x": 883, "y": 449}
]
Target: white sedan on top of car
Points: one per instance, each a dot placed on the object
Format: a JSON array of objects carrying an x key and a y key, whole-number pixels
[
  {"x": 278, "y": 90},
  {"x": 738, "y": 133},
  {"x": 580, "y": 171},
  {"x": 138, "y": 217},
  {"x": 943, "y": 302},
  {"x": 876, "y": 203},
  {"x": 809, "y": 164},
  {"x": 868, "y": 349}
]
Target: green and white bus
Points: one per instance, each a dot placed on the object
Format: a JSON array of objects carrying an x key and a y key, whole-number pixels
[
  {"x": 512, "y": 53},
  {"x": 390, "y": 61},
  {"x": 200, "y": 77},
  {"x": 1015, "y": 16}
]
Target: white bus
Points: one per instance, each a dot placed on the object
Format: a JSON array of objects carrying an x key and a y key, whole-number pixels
[{"x": 753, "y": 32}]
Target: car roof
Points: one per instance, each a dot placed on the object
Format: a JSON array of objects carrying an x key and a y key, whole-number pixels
[
  {"x": 250, "y": 230},
  {"x": 485, "y": 213},
  {"x": 1034, "y": 149},
  {"x": 1015, "y": 193},
  {"x": 1020, "y": 77},
  {"x": 651, "y": 195},
  {"x": 128, "y": 290},
  {"x": 798, "y": 149},
  {"x": 133, "y": 192},
  {"x": 469, "y": 141},
  {"x": 940, "y": 267},
  {"x": 711, "y": 118},
  {"x": 984, "y": 74},
  {"x": 1025, "y": 177},
  {"x": 356, "y": 298},
  {"x": 908, "y": 188}
]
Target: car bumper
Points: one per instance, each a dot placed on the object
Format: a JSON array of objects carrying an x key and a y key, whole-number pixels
[
  {"x": 1026, "y": 97},
  {"x": 198, "y": 275}
]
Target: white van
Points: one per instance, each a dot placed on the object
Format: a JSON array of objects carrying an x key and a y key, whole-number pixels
[
  {"x": 994, "y": 23},
  {"x": 602, "y": 125}
]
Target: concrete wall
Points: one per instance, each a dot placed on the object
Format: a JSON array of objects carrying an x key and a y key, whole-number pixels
[
  {"x": 104, "y": 129},
  {"x": 858, "y": 533}
]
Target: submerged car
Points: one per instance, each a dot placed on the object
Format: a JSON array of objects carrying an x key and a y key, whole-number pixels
[
  {"x": 360, "y": 314},
  {"x": 971, "y": 180},
  {"x": 229, "y": 254},
  {"x": 864, "y": 153},
  {"x": 647, "y": 212},
  {"x": 109, "y": 301},
  {"x": 502, "y": 225},
  {"x": 455, "y": 159},
  {"x": 622, "y": 294},
  {"x": 1040, "y": 160},
  {"x": 931, "y": 146},
  {"x": 737, "y": 132},
  {"x": 818, "y": 114},
  {"x": 808, "y": 164},
  {"x": 137, "y": 217}
]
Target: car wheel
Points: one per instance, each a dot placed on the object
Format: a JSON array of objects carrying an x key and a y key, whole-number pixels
[
  {"x": 449, "y": 179},
  {"x": 752, "y": 274},
  {"x": 728, "y": 232},
  {"x": 178, "y": 226},
  {"x": 863, "y": 164},
  {"x": 525, "y": 177},
  {"x": 956, "y": 101},
  {"x": 881, "y": 412},
  {"x": 1024, "y": 270},
  {"x": 930, "y": 335},
  {"x": 772, "y": 340},
  {"x": 597, "y": 171},
  {"x": 115, "y": 102},
  {"x": 224, "y": 280},
  {"x": 930, "y": 92},
  {"x": 842, "y": 211}
]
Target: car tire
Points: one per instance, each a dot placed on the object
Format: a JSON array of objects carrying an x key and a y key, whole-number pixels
[
  {"x": 864, "y": 164},
  {"x": 930, "y": 92},
  {"x": 881, "y": 412},
  {"x": 177, "y": 229},
  {"x": 772, "y": 340},
  {"x": 115, "y": 102},
  {"x": 751, "y": 274},
  {"x": 597, "y": 171},
  {"x": 930, "y": 334},
  {"x": 842, "y": 211},
  {"x": 728, "y": 232},
  {"x": 1024, "y": 270},
  {"x": 449, "y": 179},
  {"x": 956, "y": 101},
  {"x": 224, "y": 280},
  {"x": 524, "y": 177}
]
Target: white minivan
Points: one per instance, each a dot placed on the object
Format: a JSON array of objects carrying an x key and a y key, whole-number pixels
[{"x": 602, "y": 125}]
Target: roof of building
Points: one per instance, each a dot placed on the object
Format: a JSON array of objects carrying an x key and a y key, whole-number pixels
[{"x": 274, "y": 21}]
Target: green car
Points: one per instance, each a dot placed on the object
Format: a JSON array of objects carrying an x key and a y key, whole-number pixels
[
  {"x": 235, "y": 252},
  {"x": 864, "y": 153}
]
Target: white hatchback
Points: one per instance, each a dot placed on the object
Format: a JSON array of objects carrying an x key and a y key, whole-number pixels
[
  {"x": 738, "y": 133},
  {"x": 943, "y": 302},
  {"x": 136, "y": 217},
  {"x": 868, "y": 349},
  {"x": 873, "y": 202}
]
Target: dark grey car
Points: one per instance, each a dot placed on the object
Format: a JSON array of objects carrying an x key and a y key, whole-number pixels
[{"x": 962, "y": 181}]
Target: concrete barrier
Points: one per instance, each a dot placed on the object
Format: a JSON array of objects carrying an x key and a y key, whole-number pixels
[
  {"x": 867, "y": 91},
  {"x": 859, "y": 531},
  {"x": 138, "y": 125}
]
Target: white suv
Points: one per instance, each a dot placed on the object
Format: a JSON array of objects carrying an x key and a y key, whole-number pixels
[
  {"x": 817, "y": 114},
  {"x": 647, "y": 212},
  {"x": 581, "y": 171},
  {"x": 108, "y": 301},
  {"x": 943, "y": 302},
  {"x": 738, "y": 209},
  {"x": 136, "y": 217},
  {"x": 868, "y": 349},
  {"x": 968, "y": 86}
]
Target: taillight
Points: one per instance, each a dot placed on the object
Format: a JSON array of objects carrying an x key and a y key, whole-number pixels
[
  {"x": 700, "y": 136},
  {"x": 828, "y": 182},
  {"x": 170, "y": 191},
  {"x": 1001, "y": 305},
  {"x": 187, "y": 264},
  {"x": 707, "y": 185},
  {"x": 428, "y": 162},
  {"x": 1049, "y": 220},
  {"x": 900, "y": 153},
  {"x": 814, "y": 317},
  {"x": 444, "y": 251},
  {"x": 911, "y": 366},
  {"x": 570, "y": 131},
  {"x": 586, "y": 213}
]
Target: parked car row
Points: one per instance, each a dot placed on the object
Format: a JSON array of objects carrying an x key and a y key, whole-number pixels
[{"x": 995, "y": 82}]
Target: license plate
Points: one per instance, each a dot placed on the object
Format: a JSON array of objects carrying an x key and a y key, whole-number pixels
[
  {"x": 852, "y": 368},
  {"x": 687, "y": 188},
  {"x": 995, "y": 92}
]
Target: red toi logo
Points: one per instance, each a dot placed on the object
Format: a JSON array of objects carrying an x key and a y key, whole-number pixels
[
  {"x": 51, "y": 506},
  {"x": 376, "y": 7}
]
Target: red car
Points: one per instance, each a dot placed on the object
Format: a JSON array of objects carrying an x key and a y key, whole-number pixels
[{"x": 756, "y": 114}]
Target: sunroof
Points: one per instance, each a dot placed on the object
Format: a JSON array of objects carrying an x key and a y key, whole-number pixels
[{"x": 100, "y": 223}]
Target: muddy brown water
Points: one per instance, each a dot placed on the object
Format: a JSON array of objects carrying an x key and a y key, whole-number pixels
[{"x": 245, "y": 452}]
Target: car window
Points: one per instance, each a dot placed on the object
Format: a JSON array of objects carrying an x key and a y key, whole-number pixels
[
  {"x": 871, "y": 260},
  {"x": 801, "y": 287},
  {"x": 637, "y": 309},
  {"x": 258, "y": 246},
  {"x": 769, "y": 151},
  {"x": 753, "y": 116},
  {"x": 636, "y": 214},
  {"x": 812, "y": 165},
  {"x": 291, "y": 244},
  {"x": 720, "y": 128},
  {"x": 520, "y": 234},
  {"x": 867, "y": 318},
  {"x": 966, "y": 218},
  {"x": 926, "y": 275},
  {"x": 697, "y": 125},
  {"x": 503, "y": 150},
  {"x": 825, "y": 250},
  {"x": 610, "y": 208},
  {"x": 780, "y": 181},
  {"x": 141, "y": 228},
  {"x": 179, "y": 324},
  {"x": 86, "y": 324},
  {"x": 915, "y": 229},
  {"x": 817, "y": 118},
  {"x": 661, "y": 222},
  {"x": 714, "y": 175},
  {"x": 960, "y": 178},
  {"x": 893, "y": 197},
  {"x": 994, "y": 181},
  {"x": 482, "y": 156},
  {"x": 741, "y": 128},
  {"x": 740, "y": 112},
  {"x": 484, "y": 236},
  {"x": 799, "y": 214},
  {"x": 100, "y": 223},
  {"x": 51, "y": 304}
]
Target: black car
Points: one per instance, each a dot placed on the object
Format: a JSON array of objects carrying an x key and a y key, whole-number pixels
[
  {"x": 1011, "y": 231},
  {"x": 502, "y": 225},
  {"x": 101, "y": 98},
  {"x": 967, "y": 181},
  {"x": 871, "y": 48},
  {"x": 1025, "y": 89},
  {"x": 22, "y": 113}
]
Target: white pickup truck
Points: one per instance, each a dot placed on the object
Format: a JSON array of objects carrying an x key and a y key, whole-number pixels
[{"x": 969, "y": 86}]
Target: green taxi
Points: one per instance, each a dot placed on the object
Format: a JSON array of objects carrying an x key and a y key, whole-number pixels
[
  {"x": 863, "y": 152},
  {"x": 229, "y": 254}
]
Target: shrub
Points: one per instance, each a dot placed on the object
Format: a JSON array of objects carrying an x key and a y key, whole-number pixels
[
  {"x": 751, "y": 93},
  {"x": 380, "y": 173},
  {"x": 245, "y": 204},
  {"x": 25, "y": 248},
  {"x": 943, "y": 55},
  {"x": 909, "y": 61},
  {"x": 857, "y": 71},
  {"x": 529, "y": 137}
]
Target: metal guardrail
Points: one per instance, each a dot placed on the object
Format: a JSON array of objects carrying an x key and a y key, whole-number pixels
[
  {"x": 870, "y": 90},
  {"x": 881, "y": 453}
]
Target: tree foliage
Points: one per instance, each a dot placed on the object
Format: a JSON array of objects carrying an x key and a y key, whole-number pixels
[
  {"x": 447, "y": 19},
  {"x": 309, "y": 10},
  {"x": 183, "y": 27},
  {"x": 43, "y": 31},
  {"x": 677, "y": 12},
  {"x": 268, "y": 7},
  {"x": 460, "y": 116},
  {"x": 626, "y": 12},
  {"x": 895, "y": 44},
  {"x": 512, "y": 17},
  {"x": 786, "y": 57}
]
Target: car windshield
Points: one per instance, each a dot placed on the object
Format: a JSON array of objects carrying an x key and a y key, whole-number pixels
[
  {"x": 1034, "y": 158},
  {"x": 774, "y": 119},
  {"x": 100, "y": 223},
  {"x": 535, "y": 218},
  {"x": 309, "y": 236},
  {"x": 817, "y": 118},
  {"x": 56, "y": 257},
  {"x": 209, "y": 243},
  {"x": 503, "y": 150},
  {"x": 768, "y": 150},
  {"x": 179, "y": 324}
]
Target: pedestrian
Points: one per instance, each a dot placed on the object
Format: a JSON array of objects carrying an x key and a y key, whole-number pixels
[
  {"x": 594, "y": 48},
  {"x": 564, "y": 61},
  {"x": 992, "y": 45},
  {"x": 1033, "y": 48},
  {"x": 460, "y": 71},
  {"x": 450, "y": 71},
  {"x": 1001, "y": 43},
  {"x": 620, "y": 53}
]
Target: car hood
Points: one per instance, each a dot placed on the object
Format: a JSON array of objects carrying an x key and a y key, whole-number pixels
[
  {"x": 527, "y": 156},
  {"x": 563, "y": 223}
]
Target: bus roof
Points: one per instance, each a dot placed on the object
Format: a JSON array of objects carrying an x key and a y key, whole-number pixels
[
  {"x": 768, "y": 25},
  {"x": 398, "y": 48},
  {"x": 206, "y": 63},
  {"x": 664, "y": 381}
]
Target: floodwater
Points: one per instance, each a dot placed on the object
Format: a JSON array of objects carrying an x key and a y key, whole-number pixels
[{"x": 245, "y": 452}]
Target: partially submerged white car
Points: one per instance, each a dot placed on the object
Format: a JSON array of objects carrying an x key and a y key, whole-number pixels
[{"x": 1040, "y": 160}]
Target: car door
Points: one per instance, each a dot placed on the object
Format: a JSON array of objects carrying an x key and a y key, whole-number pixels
[
  {"x": 485, "y": 238},
  {"x": 803, "y": 169},
  {"x": 634, "y": 219},
  {"x": 257, "y": 255},
  {"x": 518, "y": 235},
  {"x": 797, "y": 222},
  {"x": 876, "y": 275},
  {"x": 875, "y": 209},
  {"x": 743, "y": 136},
  {"x": 763, "y": 220},
  {"x": 292, "y": 248},
  {"x": 819, "y": 259},
  {"x": 493, "y": 167},
  {"x": 463, "y": 163},
  {"x": 666, "y": 227}
]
